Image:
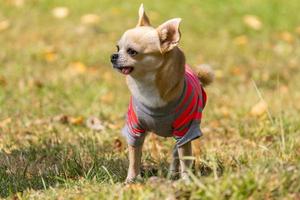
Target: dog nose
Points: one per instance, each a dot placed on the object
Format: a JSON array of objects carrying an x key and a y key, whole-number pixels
[{"x": 114, "y": 57}]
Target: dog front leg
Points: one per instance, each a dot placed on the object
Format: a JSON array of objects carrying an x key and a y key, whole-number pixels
[
  {"x": 185, "y": 163},
  {"x": 135, "y": 155}
]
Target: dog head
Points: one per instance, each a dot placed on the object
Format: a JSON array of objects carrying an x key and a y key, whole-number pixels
[{"x": 142, "y": 49}]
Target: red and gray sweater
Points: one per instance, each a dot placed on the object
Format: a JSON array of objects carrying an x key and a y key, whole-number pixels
[{"x": 179, "y": 119}]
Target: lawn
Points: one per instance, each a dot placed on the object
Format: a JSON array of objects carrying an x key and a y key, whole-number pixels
[{"x": 55, "y": 74}]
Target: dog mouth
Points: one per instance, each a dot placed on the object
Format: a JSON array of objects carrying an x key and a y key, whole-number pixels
[{"x": 125, "y": 70}]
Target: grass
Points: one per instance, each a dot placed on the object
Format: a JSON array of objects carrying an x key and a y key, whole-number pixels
[{"x": 54, "y": 69}]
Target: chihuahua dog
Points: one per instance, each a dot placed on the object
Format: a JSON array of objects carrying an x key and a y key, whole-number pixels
[{"x": 167, "y": 96}]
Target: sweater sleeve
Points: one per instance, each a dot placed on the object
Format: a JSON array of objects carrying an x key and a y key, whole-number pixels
[{"x": 133, "y": 130}]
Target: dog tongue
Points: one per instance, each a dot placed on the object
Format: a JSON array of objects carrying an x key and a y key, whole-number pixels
[{"x": 126, "y": 70}]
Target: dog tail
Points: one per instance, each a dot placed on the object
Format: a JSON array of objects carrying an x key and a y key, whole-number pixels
[{"x": 205, "y": 74}]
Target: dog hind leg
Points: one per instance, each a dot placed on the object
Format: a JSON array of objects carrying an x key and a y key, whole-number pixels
[{"x": 174, "y": 165}]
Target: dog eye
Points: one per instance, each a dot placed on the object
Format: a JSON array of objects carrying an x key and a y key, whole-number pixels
[
  {"x": 118, "y": 48},
  {"x": 131, "y": 52}
]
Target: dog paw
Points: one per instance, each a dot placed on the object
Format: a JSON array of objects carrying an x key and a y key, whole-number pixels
[
  {"x": 135, "y": 179},
  {"x": 185, "y": 178},
  {"x": 173, "y": 175}
]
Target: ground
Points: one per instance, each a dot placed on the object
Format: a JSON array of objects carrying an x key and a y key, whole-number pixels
[{"x": 55, "y": 74}]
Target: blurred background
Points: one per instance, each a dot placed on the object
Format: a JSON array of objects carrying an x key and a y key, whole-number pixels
[
  {"x": 58, "y": 89},
  {"x": 62, "y": 49}
]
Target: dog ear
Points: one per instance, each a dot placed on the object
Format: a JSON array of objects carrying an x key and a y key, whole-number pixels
[
  {"x": 169, "y": 34},
  {"x": 143, "y": 18}
]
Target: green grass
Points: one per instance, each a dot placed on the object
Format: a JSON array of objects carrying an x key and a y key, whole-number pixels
[{"x": 241, "y": 156}]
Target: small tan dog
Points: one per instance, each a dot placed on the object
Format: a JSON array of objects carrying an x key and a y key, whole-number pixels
[{"x": 167, "y": 97}]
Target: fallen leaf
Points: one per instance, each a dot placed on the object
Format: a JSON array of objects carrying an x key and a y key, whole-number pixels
[
  {"x": 5, "y": 122},
  {"x": 18, "y": 3},
  {"x": 287, "y": 37},
  {"x": 284, "y": 89},
  {"x": 76, "y": 120},
  {"x": 215, "y": 124},
  {"x": 60, "y": 12},
  {"x": 107, "y": 98},
  {"x": 36, "y": 83},
  {"x": 268, "y": 138},
  {"x": 3, "y": 81},
  {"x": 77, "y": 67},
  {"x": 5, "y": 24},
  {"x": 259, "y": 109},
  {"x": 50, "y": 55},
  {"x": 115, "y": 126},
  {"x": 94, "y": 123},
  {"x": 225, "y": 111},
  {"x": 118, "y": 144},
  {"x": 90, "y": 19},
  {"x": 241, "y": 40},
  {"x": 237, "y": 70},
  {"x": 64, "y": 119},
  {"x": 298, "y": 30},
  {"x": 253, "y": 22},
  {"x": 219, "y": 73}
]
